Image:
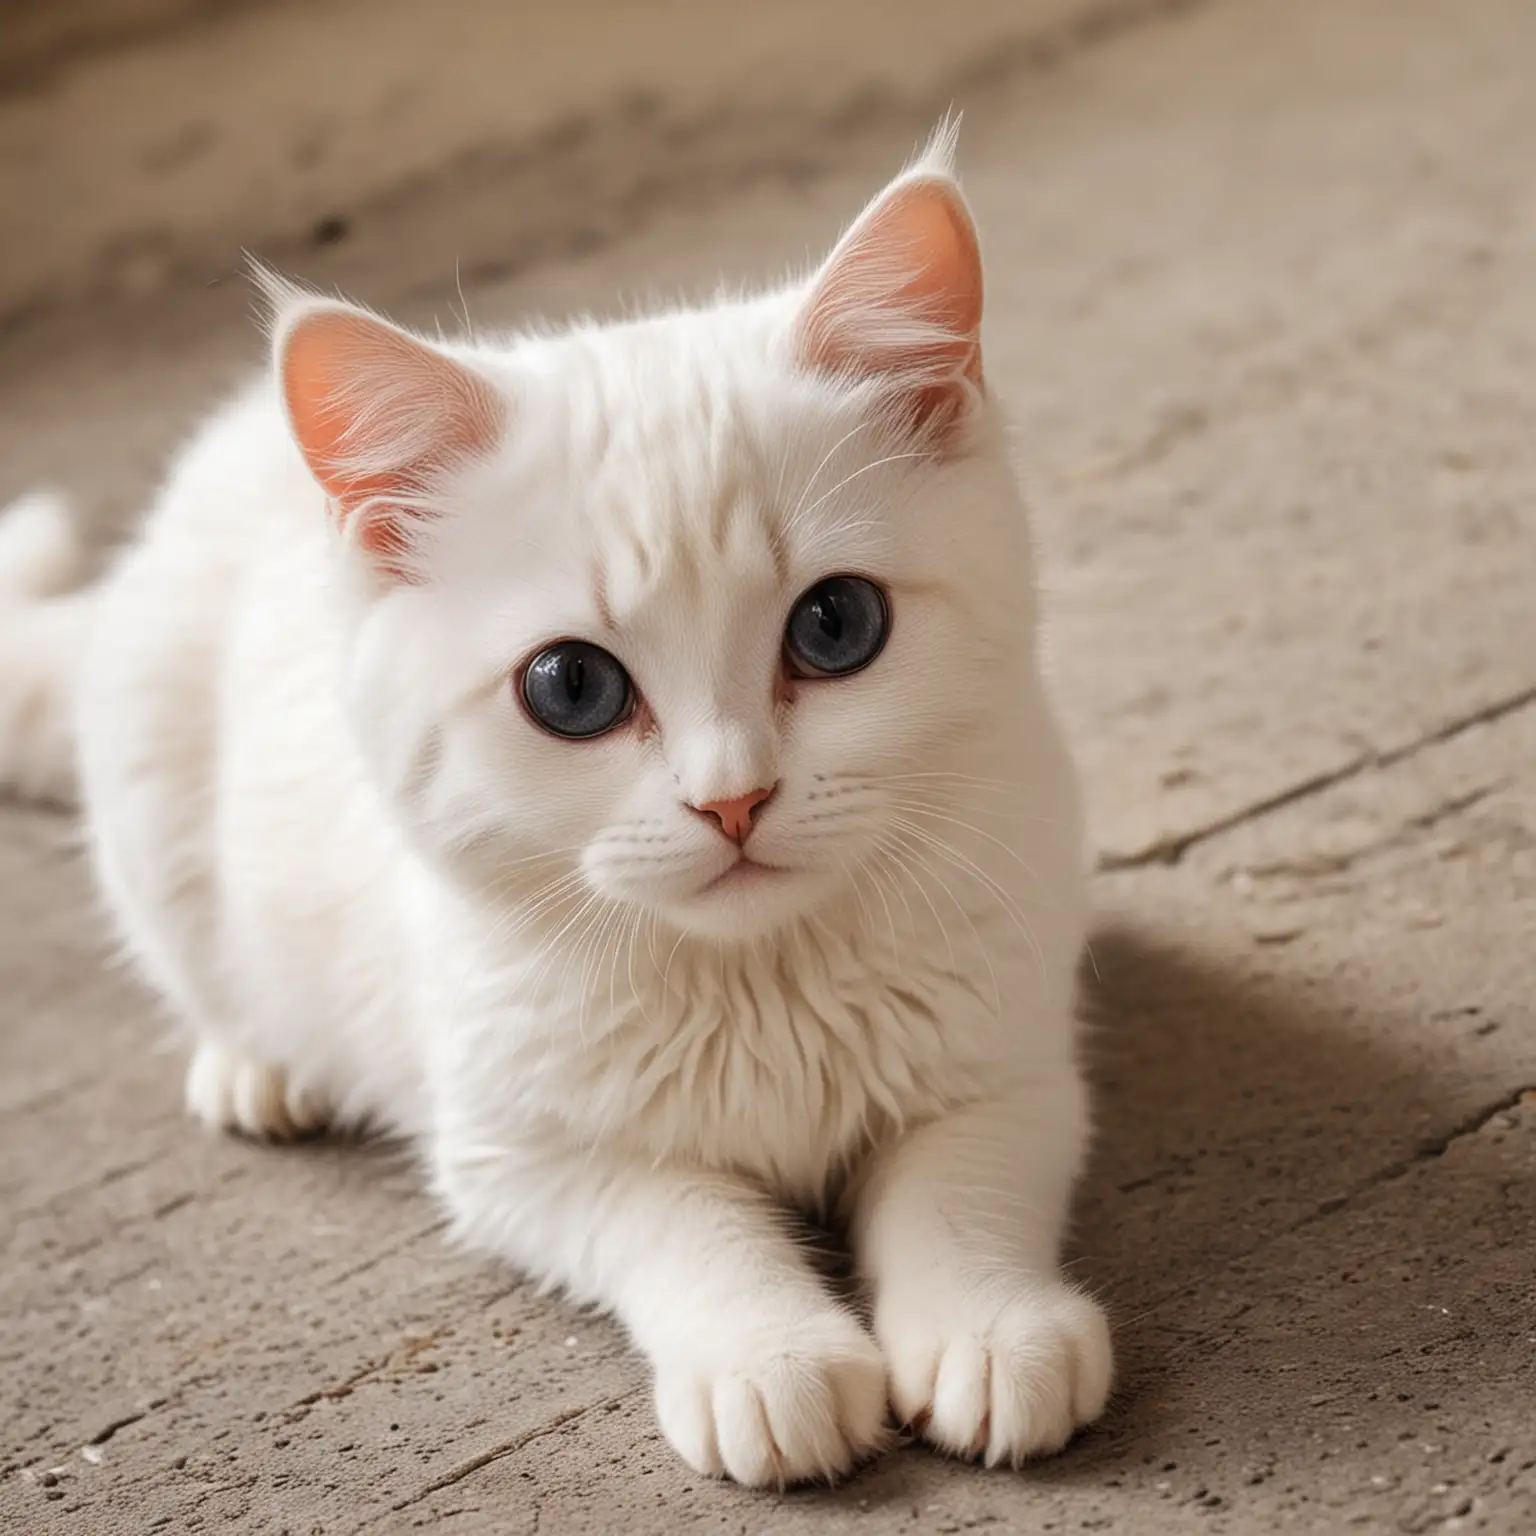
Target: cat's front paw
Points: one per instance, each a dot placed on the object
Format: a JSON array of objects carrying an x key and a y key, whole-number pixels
[
  {"x": 795, "y": 1403},
  {"x": 230, "y": 1092},
  {"x": 1005, "y": 1379}
]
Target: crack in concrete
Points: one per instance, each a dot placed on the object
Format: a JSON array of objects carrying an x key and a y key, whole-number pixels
[
  {"x": 107, "y": 1431},
  {"x": 509, "y": 1448},
  {"x": 1171, "y": 848},
  {"x": 1317, "y": 865},
  {"x": 382, "y": 1255},
  {"x": 397, "y": 1364},
  {"x": 1428, "y": 1150}
]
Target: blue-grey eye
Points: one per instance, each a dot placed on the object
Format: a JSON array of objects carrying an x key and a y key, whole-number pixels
[
  {"x": 837, "y": 627},
  {"x": 575, "y": 689}
]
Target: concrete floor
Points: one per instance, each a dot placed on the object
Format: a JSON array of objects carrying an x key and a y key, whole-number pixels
[{"x": 1262, "y": 302}]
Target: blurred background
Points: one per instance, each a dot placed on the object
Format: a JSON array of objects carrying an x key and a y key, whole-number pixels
[{"x": 1261, "y": 309}]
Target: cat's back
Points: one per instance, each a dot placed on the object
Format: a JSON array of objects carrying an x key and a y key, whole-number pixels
[
  {"x": 235, "y": 496},
  {"x": 164, "y": 696},
  {"x": 234, "y": 503}
]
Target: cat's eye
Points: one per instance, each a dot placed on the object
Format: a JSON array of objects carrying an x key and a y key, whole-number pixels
[
  {"x": 836, "y": 628},
  {"x": 577, "y": 690}
]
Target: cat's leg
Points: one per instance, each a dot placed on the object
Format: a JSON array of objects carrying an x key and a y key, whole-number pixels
[
  {"x": 228, "y": 1087},
  {"x": 759, "y": 1373},
  {"x": 230, "y": 1091},
  {"x": 957, "y": 1229}
]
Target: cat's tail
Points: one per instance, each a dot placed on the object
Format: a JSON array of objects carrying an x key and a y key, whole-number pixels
[{"x": 44, "y": 623}]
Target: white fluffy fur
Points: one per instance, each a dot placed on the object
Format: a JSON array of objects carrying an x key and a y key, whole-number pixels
[{"x": 374, "y": 892}]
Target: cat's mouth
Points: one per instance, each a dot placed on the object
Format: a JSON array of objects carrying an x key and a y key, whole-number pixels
[{"x": 744, "y": 874}]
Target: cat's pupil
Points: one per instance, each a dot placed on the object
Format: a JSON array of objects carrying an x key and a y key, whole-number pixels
[
  {"x": 575, "y": 689},
  {"x": 837, "y": 627}
]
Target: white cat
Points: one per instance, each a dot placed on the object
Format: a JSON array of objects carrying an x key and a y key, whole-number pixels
[{"x": 617, "y": 759}]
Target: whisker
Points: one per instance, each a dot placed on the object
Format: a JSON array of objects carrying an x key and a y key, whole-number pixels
[
  {"x": 959, "y": 906},
  {"x": 997, "y": 842},
  {"x": 863, "y": 469},
  {"x": 792, "y": 520},
  {"x": 889, "y": 856},
  {"x": 1005, "y": 898},
  {"x": 851, "y": 873},
  {"x": 891, "y": 922}
]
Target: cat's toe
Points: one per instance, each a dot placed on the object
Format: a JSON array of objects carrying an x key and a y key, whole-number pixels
[
  {"x": 1010, "y": 1384},
  {"x": 806, "y": 1406},
  {"x": 230, "y": 1092}
]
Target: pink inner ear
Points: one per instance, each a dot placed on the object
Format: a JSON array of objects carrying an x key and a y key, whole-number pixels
[
  {"x": 902, "y": 296},
  {"x": 376, "y": 414}
]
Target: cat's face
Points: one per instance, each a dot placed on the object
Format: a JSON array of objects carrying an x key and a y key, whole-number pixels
[
  {"x": 754, "y": 591},
  {"x": 697, "y": 634}
]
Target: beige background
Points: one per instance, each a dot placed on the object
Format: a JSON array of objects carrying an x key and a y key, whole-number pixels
[{"x": 1261, "y": 300}]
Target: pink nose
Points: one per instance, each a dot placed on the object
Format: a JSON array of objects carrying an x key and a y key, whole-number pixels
[{"x": 735, "y": 815}]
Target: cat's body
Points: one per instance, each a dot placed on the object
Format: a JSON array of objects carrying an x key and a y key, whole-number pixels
[{"x": 376, "y": 891}]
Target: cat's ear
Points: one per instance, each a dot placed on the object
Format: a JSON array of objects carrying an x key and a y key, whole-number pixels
[
  {"x": 899, "y": 300},
  {"x": 378, "y": 416}
]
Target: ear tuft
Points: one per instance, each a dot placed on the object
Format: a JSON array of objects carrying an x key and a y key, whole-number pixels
[
  {"x": 276, "y": 293},
  {"x": 937, "y": 157},
  {"x": 378, "y": 415},
  {"x": 899, "y": 301}
]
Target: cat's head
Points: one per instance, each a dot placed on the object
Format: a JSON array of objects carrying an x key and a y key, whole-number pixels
[{"x": 705, "y": 616}]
